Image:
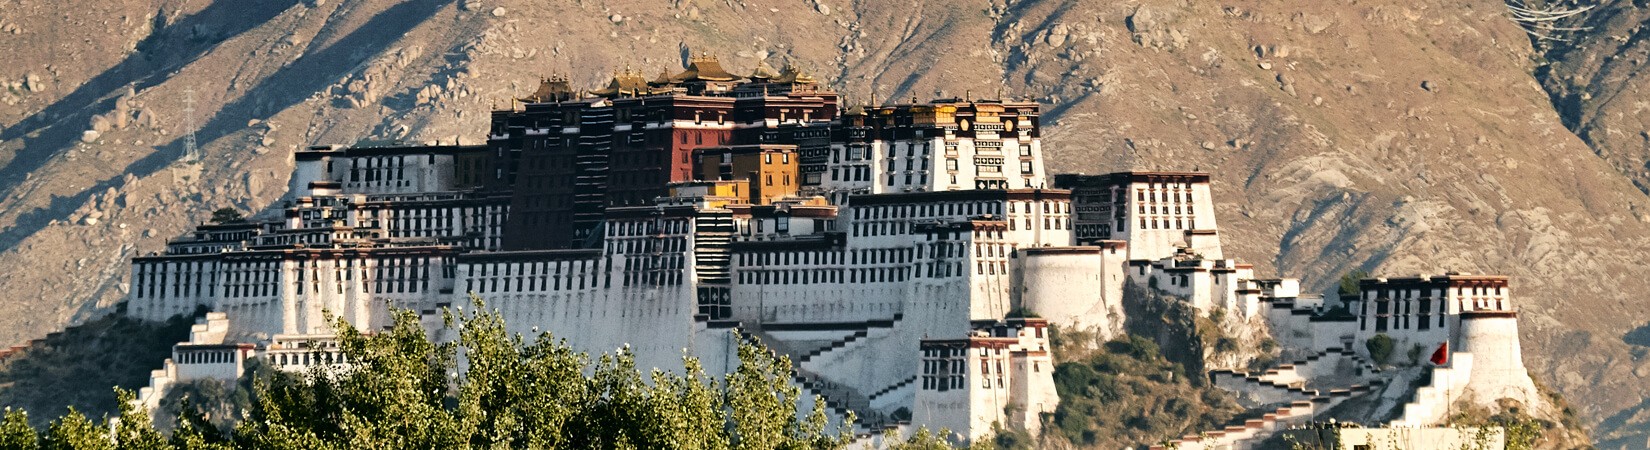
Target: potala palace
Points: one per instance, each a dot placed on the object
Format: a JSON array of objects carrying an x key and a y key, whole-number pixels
[{"x": 909, "y": 257}]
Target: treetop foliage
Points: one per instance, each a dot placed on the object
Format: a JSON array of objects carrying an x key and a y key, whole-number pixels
[
  {"x": 486, "y": 390},
  {"x": 227, "y": 215},
  {"x": 1349, "y": 284},
  {"x": 1380, "y": 347}
]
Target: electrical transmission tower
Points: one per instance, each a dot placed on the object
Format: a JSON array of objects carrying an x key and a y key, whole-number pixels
[{"x": 191, "y": 154}]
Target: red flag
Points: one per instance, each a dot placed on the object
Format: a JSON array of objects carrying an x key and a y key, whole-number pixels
[{"x": 1441, "y": 357}]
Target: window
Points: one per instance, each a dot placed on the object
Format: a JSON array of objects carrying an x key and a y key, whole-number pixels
[
  {"x": 951, "y": 164},
  {"x": 1025, "y": 167}
]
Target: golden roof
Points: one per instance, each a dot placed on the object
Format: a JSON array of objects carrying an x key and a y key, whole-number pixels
[
  {"x": 550, "y": 89},
  {"x": 628, "y": 82},
  {"x": 793, "y": 74},
  {"x": 704, "y": 68},
  {"x": 662, "y": 79},
  {"x": 763, "y": 72}
]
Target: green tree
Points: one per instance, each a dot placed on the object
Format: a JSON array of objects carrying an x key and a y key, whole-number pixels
[
  {"x": 487, "y": 389},
  {"x": 1380, "y": 348},
  {"x": 15, "y": 432},
  {"x": 393, "y": 394},
  {"x": 227, "y": 215},
  {"x": 1127, "y": 394},
  {"x": 518, "y": 395},
  {"x": 135, "y": 431},
  {"x": 402, "y": 390},
  {"x": 1349, "y": 283},
  {"x": 74, "y": 431},
  {"x": 921, "y": 440}
]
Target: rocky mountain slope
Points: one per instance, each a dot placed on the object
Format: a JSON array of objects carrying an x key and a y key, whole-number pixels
[{"x": 1396, "y": 136}]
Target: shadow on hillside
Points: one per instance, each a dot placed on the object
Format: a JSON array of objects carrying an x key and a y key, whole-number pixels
[
  {"x": 80, "y": 366},
  {"x": 288, "y": 86},
  {"x": 310, "y": 73},
  {"x": 1626, "y": 421},
  {"x": 171, "y": 46},
  {"x": 1639, "y": 336}
]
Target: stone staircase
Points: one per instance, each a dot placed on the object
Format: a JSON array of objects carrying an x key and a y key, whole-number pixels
[
  {"x": 803, "y": 349},
  {"x": 1247, "y": 433},
  {"x": 1259, "y": 390},
  {"x": 1300, "y": 370},
  {"x": 1285, "y": 384},
  {"x": 869, "y": 426},
  {"x": 834, "y": 345},
  {"x": 839, "y": 400},
  {"x": 1431, "y": 401},
  {"x": 208, "y": 330},
  {"x": 18, "y": 349},
  {"x": 809, "y": 356},
  {"x": 892, "y": 388}
]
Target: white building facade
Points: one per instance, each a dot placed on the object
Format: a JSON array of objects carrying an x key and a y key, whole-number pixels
[{"x": 944, "y": 145}]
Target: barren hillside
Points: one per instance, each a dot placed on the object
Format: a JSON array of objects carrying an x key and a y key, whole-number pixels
[{"x": 1395, "y": 136}]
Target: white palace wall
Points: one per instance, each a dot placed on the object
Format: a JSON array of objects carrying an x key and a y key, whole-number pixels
[
  {"x": 820, "y": 283},
  {"x": 638, "y": 292},
  {"x": 1076, "y": 287},
  {"x": 291, "y": 291},
  {"x": 587, "y": 302}
]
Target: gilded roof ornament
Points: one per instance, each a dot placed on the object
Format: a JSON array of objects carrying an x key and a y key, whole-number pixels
[
  {"x": 552, "y": 89},
  {"x": 626, "y": 82},
  {"x": 704, "y": 68},
  {"x": 663, "y": 78},
  {"x": 763, "y": 72},
  {"x": 792, "y": 74}
]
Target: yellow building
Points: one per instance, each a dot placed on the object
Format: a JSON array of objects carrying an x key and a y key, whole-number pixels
[{"x": 771, "y": 171}]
